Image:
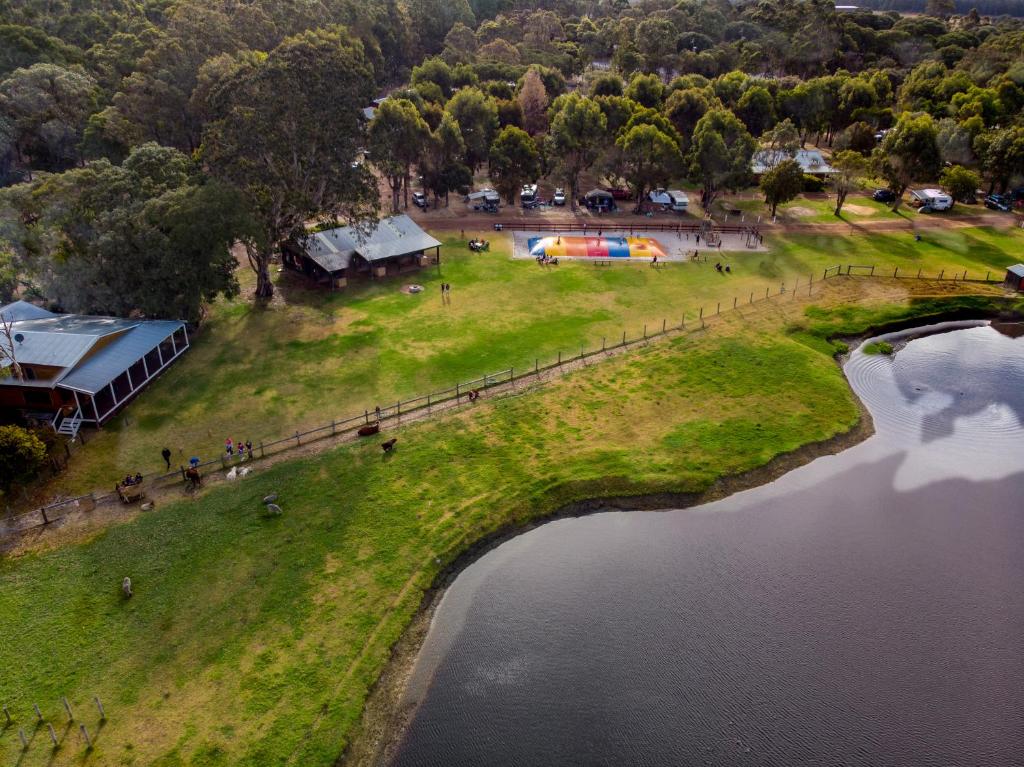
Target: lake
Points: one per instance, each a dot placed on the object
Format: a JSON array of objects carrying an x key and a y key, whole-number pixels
[{"x": 865, "y": 609}]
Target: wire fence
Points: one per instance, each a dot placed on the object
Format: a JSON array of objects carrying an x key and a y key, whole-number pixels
[
  {"x": 610, "y": 225},
  {"x": 390, "y": 415}
]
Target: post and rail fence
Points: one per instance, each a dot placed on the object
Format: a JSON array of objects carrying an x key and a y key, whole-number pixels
[{"x": 392, "y": 413}]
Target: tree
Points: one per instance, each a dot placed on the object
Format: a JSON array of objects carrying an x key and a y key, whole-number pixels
[
  {"x": 1002, "y": 155},
  {"x": 397, "y": 135},
  {"x": 441, "y": 162},
  {"x": 720, "y": 154},
  {"x": 22, "y": 455},
  {"x": 756, "y": 109},
  {"x": 607, "y": 84},
  {"x": 782, "y": 183},
  {"x": 684, "y": 108},
  {"x": 909, "y": 152},
  {"x": 48, "y": 106},
  {"x": 783, "y": 139},
  {"x": 941, "y": 8},
  {"x": 577, "y": 134},
  {"x": 851, "y": 167},
  {"x": 477, "y": 116},
  {"x": 961, "y": 183},
  {"x": 514, "y": 159},
  {"x": 649, "y": 159},
  {"x": 151, "y": 236},
  {"x": 290, "y": 155},
  {"x": 533, "y": 99},
  {"x": 646, "y": 90}
]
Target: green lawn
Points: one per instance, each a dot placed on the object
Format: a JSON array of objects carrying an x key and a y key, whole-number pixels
[
  {"x": 260, "y": 373},
  {"x": 253, "y": 640},
  {"x": 818, "y": 210}
]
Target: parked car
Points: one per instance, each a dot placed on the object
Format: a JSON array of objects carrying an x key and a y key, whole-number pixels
[
  {"x": 999, "y": 202},
  {"x": 528, "y": 195},
  {"x": 618, "y": 193},
  {"x": 419, "y": 200},
  {"x": 559, "y": 198},
  {"x": 884, "y": 195}
]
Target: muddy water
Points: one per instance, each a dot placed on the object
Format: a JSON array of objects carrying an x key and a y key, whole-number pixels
[{"x": 866, "y": 609}]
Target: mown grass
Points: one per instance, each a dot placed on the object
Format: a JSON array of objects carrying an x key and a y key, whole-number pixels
[
  {"x": 260, "y": 373},
  {"x": 254, "y": 639},
  {"x": 878, "y": 347}
]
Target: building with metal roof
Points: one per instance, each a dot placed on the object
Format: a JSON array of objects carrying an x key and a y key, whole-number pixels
[
  {"x": 390, "y": 245},
  {"x": 80, "y": 369},
  {"x": 811, "y": 161},
  {"x": 1015, "y": 277}
]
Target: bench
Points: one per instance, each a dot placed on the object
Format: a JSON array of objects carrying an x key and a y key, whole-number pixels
[{"x": 602, "y": 262}]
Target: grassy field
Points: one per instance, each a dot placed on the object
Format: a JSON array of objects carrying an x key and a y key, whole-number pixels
[
  {"x": 253, "y": 640},
  {"x": 260, "y": 373},
  {"x": 819, "y": 210}
]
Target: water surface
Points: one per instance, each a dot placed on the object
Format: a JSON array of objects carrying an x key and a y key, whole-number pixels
[{"x": 866, "y": 609}]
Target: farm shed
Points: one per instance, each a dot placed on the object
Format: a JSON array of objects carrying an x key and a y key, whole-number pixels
[
  {"x": 1015, "y": 277},
  {"x": 390, "y": 246}
]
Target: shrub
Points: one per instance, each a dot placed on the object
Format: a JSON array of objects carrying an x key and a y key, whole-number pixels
[
  {"x": 22, "y": 454},
  {"x": 813, "y": 183},
  {"x": 878, "y": 347}
]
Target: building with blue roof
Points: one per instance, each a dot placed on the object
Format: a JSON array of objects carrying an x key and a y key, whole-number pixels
[{"x": 71, "y": 369}]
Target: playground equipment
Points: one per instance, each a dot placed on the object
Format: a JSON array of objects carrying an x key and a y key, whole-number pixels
[{"x": 574, "y": 246}]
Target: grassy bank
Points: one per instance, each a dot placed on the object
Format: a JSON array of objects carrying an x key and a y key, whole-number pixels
[
  {"x": 262, "y": 372},
  {"x": 253, "y": 640}
]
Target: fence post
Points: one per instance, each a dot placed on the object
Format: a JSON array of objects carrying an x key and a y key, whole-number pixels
[
  {"x": 664, "y": 325},
  {"x": 602, "y": 343},
  {"x": 824, "y": 275},
  {"x": 645, "y": 330},
  {"x": 895, "y": 272},
  {"x": 261, "y": 449},
  {"x": 366, "y": 415},
  {"x": 559, "y": 359},
  {"x": 512, "y": 376},
  {"x": 43, "y": 512},
  {"x": 428, "y": 403},
  {"x": 734, "y": 302},
  {"x": 297, "y": 441},
  {"x": 333, "y": 430},
  {"x": 536, "y": 366},
  {"x": 623, "y": 337},
  {"x": 987, "y": 276},
  {"x": 941, "y": 273},
  {"x": 718, "y": 308},
  {"x": 872, "y": 270},
  {"x": 456, "y": 393},
  {"x": 766, "y": 292}
]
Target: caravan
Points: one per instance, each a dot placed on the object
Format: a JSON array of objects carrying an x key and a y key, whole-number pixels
[
  {"x": 672, "y": 199},
  {"x": 931, "y": 200}
]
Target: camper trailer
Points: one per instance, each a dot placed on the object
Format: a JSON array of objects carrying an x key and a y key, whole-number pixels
[
  {"x": 931, "y": 200},
  {"x": 671, "y": 198}
]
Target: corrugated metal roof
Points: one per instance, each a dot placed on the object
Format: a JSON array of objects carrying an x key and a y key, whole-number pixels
[
  {"x": 1017, "y": 269},
  {"x": 810, "y": 161},
  {"x": 23, "y": 310},
  {"x": 60, "y": 350},
  {"x": 396, "y": 236},
  {"x": 108, "y": 363}
]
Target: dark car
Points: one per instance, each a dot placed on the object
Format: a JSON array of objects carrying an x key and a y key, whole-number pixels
[
  {"x": 884, "y": 195},
  {"x": 618, "y": 193},
  {"x": 999, "y": 202}
]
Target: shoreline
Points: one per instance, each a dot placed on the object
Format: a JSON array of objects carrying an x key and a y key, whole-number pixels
[
  {"x": 385, "y": 715},
  {"x": 385, "y": 718}
]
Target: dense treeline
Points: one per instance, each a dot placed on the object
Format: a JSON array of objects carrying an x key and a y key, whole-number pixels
[
  {"x": 263, "y": 102},
  {"x": 986, "y": 7}
]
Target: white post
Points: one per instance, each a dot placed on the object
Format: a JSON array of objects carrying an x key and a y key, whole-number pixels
[
  {"x": 184, "y": 329},
  {"x": 145, "y": 366},
  {"x": 174, "y": 345},
  {"x": 128, "y": 372},
  {"x": 160, "y": 354}
]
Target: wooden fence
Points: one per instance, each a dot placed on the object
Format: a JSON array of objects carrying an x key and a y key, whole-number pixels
[{"x": 390, "y": 415}]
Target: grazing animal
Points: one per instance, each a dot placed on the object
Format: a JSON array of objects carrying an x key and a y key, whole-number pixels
[
  {"x": 193, "y": 476},
  {"x": 273, "y": 508},
  {"x": 388, "y": 446},
  {"x": 126, "y": 587}
]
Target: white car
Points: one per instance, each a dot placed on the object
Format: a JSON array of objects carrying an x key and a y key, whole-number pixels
[
  {"x": 559, "y": 198},
  {"x": 419, "y": 200}
]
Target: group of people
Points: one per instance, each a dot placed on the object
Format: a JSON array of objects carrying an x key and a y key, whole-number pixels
[
  {"x": 544, "y": 259},
  {"x": 720, "y": 268},
  {"x": 129, "y": 480},
  {"x": 478, "y": 245},
  {"x": 242, "y": 448}
]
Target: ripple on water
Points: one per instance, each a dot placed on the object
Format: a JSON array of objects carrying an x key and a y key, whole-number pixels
[{"x": 965, "y": 383}]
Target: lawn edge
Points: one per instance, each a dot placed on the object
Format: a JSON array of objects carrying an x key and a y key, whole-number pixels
[{"x": 385, "y": 715}]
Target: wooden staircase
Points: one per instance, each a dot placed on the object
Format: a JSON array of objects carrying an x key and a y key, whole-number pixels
[{"x": 67, "y": 425}]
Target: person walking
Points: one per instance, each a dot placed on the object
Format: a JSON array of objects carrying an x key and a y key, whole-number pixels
[
  {"x": 166, "y": 453},
  {"x": 229, "y": 446}
]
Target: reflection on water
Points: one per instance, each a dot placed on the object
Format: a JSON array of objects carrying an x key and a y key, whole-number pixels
[{"x": 866, "y": 609}]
